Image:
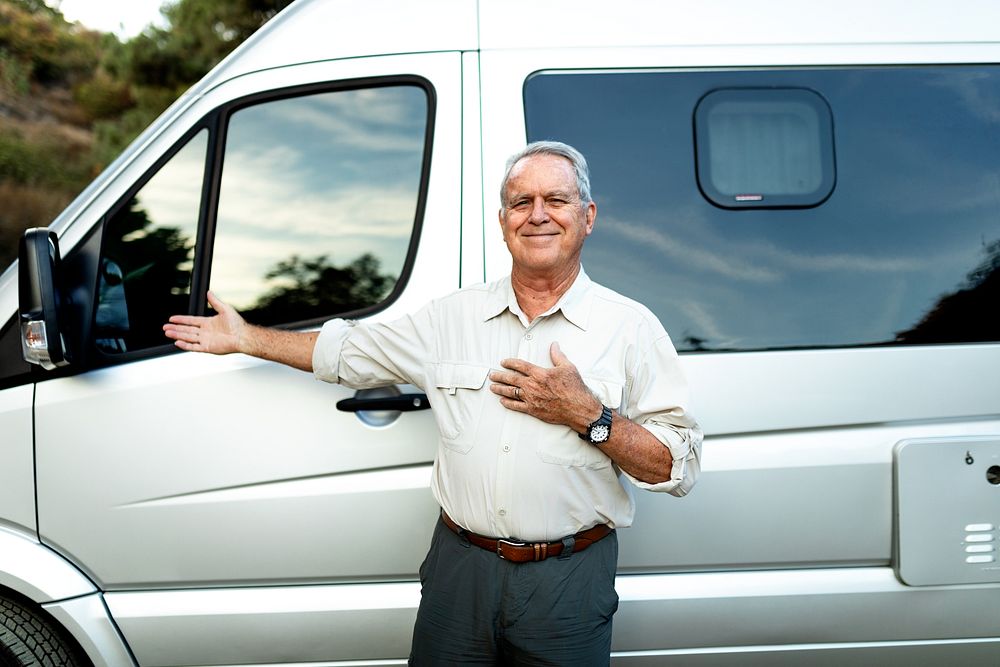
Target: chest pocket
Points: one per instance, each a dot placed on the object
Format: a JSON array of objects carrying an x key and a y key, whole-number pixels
[
  {"x": 457, "y": 402},
  {"x": 570, "y": 450}
]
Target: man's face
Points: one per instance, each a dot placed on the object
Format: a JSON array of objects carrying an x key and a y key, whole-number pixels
[{"x": 543, "y": 221}]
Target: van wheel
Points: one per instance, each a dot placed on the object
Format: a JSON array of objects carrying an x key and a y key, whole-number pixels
[{"x": 28, "y": 639}]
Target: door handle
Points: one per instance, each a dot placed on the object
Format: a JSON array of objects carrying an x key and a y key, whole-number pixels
[{"x": 400, "y": 403}]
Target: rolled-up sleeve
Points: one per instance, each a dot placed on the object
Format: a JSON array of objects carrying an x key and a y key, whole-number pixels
[
  {"x": 364, "y": 355},
  {"x": 658, "y": 401},
  {"x": 326, "y": 353}
]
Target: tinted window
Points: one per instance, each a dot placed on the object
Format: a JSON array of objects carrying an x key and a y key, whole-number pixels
[
  {"x": 318, "y": 202},
  {"x": 905, "y": 249},
  {"x": 148, "y": 254}
]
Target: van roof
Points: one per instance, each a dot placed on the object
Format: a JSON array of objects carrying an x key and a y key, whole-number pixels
[{"x": 314, "y": 30}]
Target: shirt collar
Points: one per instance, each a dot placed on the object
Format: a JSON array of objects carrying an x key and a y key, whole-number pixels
[{"x": 574, "y": 304}]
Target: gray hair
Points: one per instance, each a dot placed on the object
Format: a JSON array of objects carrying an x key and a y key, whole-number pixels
[{"x": 558, "y": 149}]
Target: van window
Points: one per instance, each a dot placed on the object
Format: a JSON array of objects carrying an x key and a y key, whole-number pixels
[
  {"x": 764, "y": 147},
  {"x": 318, "y": 201},
  {"x": 146, "y": 263},
  {"x": 905, "y": 250}
]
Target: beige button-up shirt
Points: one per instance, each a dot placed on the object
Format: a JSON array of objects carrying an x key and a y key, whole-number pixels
[{"x": 504, "y": 473}]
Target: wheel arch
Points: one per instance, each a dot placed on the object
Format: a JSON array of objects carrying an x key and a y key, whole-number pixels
[
  {"x": 34, "y": 571},
  {"x": 32, "y": 574}
]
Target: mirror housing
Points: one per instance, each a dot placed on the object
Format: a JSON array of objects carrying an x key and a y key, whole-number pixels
[{"x": 40, "y": 303}]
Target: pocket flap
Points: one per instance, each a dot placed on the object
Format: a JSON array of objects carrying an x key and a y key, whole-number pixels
[{"x": 460, "y": 376}]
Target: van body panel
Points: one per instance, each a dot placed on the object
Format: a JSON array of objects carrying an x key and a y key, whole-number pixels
[
  {"x": 813, "y": 606},
  {"x": 275, "y": 625},
  {"x": 17, "y": 485},
  {"x": 659, "y": 615},
  {"x": 88, "y": 620},
  {"x": 901, "y": 384},
  {"x": 305, "y": 493},
  {"x": 596, "y": 24},
  {"x": 322, "y": 31},
  {"x": 474, "y": 221},
  {"x": 229, "y": 513},
  {"x": 821, "y": 497}
]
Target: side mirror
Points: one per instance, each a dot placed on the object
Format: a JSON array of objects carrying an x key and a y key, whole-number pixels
[{"x": 41, "y": 308}]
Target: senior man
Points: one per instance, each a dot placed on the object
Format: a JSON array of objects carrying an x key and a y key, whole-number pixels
[{"x": 586, "y": 400}]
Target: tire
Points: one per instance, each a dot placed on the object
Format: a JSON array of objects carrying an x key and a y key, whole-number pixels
[{"x": 29, "y": 639}]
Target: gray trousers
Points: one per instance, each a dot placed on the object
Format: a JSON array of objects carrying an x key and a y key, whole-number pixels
[{"x": 478, "y": 609}]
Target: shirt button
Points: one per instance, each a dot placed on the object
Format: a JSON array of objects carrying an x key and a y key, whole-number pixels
[
  {"x": 506, "y": 448},
  {"x": 502, "y": 512},
  {"x": 528, "y": 336}
]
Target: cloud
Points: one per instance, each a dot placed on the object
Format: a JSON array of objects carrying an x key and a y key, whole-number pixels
[
  {"x": 755, "y": 261},
  {"x": 258, "y": 203},
  {"x": 269, "y": 210},
  {"x": 172, "y": 198},
  {"x": 707, "y": 325}
]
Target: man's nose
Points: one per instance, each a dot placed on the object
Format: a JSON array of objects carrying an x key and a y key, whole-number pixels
[{"x": 539, "y": 214}]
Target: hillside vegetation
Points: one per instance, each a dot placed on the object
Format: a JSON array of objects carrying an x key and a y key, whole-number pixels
[{"x": 72, "y": 99}]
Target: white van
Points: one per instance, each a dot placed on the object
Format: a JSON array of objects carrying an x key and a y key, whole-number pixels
[{"x": 806, "y": 194}]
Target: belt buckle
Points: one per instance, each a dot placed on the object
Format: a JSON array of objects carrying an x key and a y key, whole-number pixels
[{"x": 511, "y": 543}]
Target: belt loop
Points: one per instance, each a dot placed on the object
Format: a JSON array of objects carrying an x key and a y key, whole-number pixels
[
  {"x": 568, "y": 543},
  {"x": 460, "y": 532}
]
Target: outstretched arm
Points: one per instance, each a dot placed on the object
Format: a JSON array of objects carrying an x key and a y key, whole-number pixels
[{"x": 227, "y": 332}]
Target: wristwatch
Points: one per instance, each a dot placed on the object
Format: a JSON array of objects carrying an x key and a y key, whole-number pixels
[{"x": 599, "y": 432}]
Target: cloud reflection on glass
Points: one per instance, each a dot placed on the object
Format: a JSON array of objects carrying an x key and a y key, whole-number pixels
[{"x": 333, "y": 174}]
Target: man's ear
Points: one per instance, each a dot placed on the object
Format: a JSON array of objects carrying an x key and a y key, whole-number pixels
[{"x": 591, "y": 217}]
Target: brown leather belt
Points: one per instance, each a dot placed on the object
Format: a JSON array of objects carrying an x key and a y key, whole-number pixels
[{"x": 526, "y": 552}]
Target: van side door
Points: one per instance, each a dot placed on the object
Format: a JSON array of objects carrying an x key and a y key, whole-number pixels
[{"x": 297, "y": 194}]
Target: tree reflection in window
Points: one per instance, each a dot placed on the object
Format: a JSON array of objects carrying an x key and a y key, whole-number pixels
[
  {"x": 317, "y": 202},
  {"x": 969, "y": 314},
  {"x": 148, "y": 254},
  {"x": 314, "y": 288}
]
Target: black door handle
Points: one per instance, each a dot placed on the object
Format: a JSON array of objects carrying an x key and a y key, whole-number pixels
[{"x": 401, "y": 403}]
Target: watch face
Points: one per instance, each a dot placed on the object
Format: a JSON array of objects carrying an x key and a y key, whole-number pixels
[{"x": 599, "y": 433}]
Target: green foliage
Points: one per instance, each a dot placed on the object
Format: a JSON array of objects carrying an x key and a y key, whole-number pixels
[
  {"x": 160, "y": 64},
  {"x": 103, "y": 97},
  {"x": 34, "y": 6},
  {"x": 46, "y": 45},
  {"x": 40, "y": 162},
  {"x": 15, "y": 75},
  {"x": 118, "y": 89}
]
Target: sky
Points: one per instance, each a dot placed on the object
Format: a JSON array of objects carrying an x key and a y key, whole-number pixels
[{"x": 125, "y": 18}]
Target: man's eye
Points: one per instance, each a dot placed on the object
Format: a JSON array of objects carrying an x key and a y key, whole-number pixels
[{"x": 520, "y": 204}]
